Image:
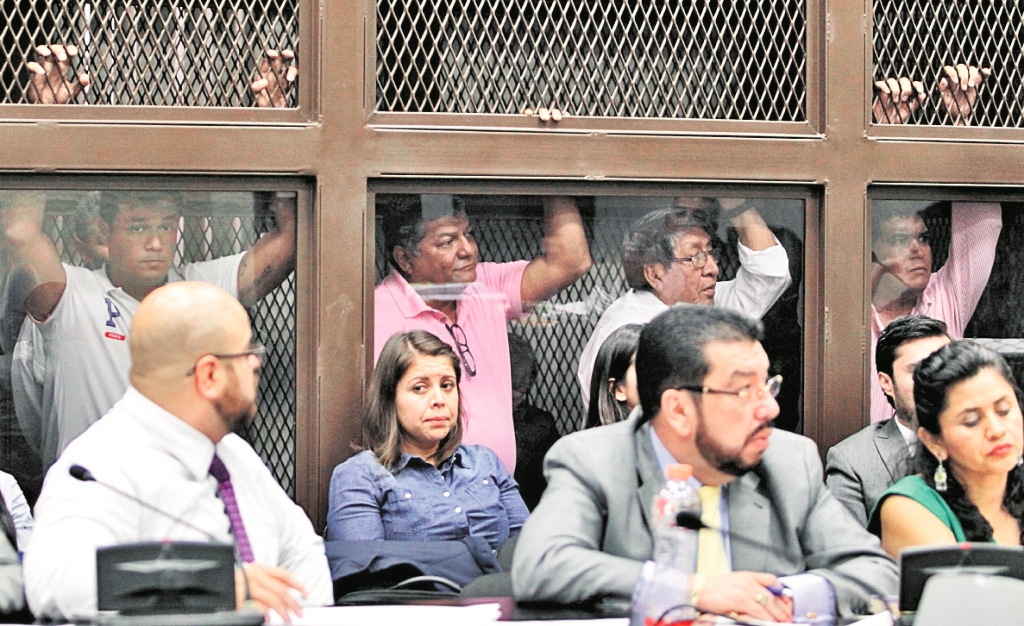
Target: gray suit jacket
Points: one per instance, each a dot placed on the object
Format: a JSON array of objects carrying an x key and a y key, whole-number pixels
[
  {"x": 859, "y": 468},
  {"x": 591, "y": 533}
]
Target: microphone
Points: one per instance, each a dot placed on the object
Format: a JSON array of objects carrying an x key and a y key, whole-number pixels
[
  {"x": 80, "y": 473},
  {"x": 692, "y": 521},
  {"x": 166, "y": 581}
]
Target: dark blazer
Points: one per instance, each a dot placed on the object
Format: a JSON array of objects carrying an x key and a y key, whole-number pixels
[
  {"x": 591, "y": 533},
  {"x": 859, "y": 468}
]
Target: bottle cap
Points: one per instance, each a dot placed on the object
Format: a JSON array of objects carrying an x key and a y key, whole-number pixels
[{"x": 679, "y": 471}]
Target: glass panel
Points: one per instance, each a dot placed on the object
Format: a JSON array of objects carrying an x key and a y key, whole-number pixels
[
  {"x": 171, "y": 53},
  {"x": 68, "y": 370},
  {"x": 556, "y": 332},
  {"x": 957, "y": 262}
]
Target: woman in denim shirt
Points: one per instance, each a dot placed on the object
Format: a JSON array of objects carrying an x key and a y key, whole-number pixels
[{"x": 414, "y": 480}]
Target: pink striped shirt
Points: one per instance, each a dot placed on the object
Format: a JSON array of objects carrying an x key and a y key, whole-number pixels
[{"x": 953, "y": 291}]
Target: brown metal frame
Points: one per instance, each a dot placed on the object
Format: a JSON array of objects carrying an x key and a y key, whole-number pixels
[
  {"x": 308, "y": 65},
  {"x": 335, "y": 139}
]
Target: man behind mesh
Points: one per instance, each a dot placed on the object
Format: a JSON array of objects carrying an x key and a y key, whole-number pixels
[
  {"x": 437, "y": 285},
  {"x": 669, "y": 259},
  {"x": 83, "y": 316}
]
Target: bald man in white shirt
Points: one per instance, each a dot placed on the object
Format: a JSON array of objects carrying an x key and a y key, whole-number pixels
[{"x": 194, "y": 377}]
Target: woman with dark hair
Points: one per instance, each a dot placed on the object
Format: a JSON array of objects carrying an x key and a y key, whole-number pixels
[
  {"x": 414, "y": 479},
  {"x": 613, "y": 384},
  {"x": 970, "y": 483}
]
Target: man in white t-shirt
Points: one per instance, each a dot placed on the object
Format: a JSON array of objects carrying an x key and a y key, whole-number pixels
[{"x": 75, "y": 337}]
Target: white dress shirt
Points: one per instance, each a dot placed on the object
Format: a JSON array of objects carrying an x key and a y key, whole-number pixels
[
  {"x": 143, "y": 450},
  {"x": 908, "y": 435}
]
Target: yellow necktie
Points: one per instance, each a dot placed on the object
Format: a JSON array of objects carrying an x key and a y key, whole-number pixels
[{"x": 710, "y": 548}]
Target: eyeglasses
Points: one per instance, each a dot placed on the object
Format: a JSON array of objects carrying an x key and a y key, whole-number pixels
[
  {"x": 465, "y": 356},
  {"x": 749, "y": 393},
  {"x": 700, "y": 259},
  {"x": 255, "y": 349}
]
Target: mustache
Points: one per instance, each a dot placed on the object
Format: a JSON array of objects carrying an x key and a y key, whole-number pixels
[{"x": 766, "y": 426}]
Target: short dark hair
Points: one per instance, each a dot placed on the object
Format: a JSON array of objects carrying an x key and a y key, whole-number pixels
[
  {"x": 113, "y": 202},
  {"x": 87, "y": 211},
  {"x": 613, "y": 359},
  {"x": 885, "y": 210},
  {"x": 652, "y": 239},
  {"x": 900, "y": 331},
  {"x": 381, "y": 431},
  {"x": 933, "y": 377},
  {"x": 402, "y": 220},
  {"x": 672, "y": 348}
]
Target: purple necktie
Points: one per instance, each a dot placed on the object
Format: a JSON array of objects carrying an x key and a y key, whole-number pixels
[{"x": 227, "y": 494}]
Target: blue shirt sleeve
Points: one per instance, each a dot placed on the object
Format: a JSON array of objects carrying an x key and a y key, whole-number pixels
[
  {"x": 354, "y": 511},
  {"x": 511, "y": 500}
]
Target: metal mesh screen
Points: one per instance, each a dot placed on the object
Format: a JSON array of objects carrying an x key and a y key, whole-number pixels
[
  {"x": 156, "y": 53},
  {"x": 710, "y": 59},
  {"x": 998, "y": 320},
  {"x": 916, "y": 39},
  {"x": 215, "y": 225},
  {"x": 511, "y": 228}
]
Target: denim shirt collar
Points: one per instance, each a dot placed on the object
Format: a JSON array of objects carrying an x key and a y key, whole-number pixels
[{"x": 458, "y": 458}]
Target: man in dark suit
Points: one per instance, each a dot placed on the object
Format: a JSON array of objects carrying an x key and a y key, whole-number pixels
[
  {"x": 706, "y": 400},
  {"x": 862, "y": 466}
]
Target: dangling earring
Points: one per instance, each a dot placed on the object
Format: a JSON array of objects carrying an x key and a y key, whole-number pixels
[
  {"x": 940, "y": 478},
  {"x": 1020, "y": 460}
]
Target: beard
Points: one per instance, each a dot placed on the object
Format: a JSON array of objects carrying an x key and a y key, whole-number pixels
[
  {"x": 725, "y": 462},
  {"x": 235, "y": 409},
  {"x": 903, "y": 413}
]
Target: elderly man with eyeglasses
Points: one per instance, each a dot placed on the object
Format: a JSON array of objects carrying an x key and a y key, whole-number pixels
[
  {"x": 436, "y": 284},
  {"x": 669, "y": 259}
]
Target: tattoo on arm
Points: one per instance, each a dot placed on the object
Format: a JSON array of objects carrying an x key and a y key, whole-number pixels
[
  {"x": 245, "y": 291},
  {"x": 259, "y": 287},
  {"x": 264, "y": 282}
]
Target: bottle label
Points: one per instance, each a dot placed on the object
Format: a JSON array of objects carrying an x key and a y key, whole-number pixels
[{"x": 661, "y": 597}]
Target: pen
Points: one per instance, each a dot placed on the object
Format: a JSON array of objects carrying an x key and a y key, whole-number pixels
[{"x": 780, "y": 591}]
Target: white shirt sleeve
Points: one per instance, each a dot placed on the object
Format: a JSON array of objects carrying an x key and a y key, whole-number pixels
[
  {"x": 761, "y": 279},
  {"x": 60, "y": 560},
  {"x": 284, "y": 537},
  {"x": 222, "y": 272},
  {"x": 18, "y": 507}
]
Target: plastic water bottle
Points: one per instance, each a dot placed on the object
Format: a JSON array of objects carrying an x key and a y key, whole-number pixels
[{"x": 662, "y": 592}]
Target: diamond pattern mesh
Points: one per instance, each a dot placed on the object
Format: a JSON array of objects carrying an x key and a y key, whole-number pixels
[
  {"x": 916, "y": 39},
  {"x": 711, "y": 59},
  {"x": 510, "y": 229},
  {"x": 156, "y": 53},
  {"x": 997, "y": 321},
  {"x": 215, "y": 225}
]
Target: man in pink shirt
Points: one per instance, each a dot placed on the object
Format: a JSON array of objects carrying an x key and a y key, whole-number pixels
[
  {"x": 902, "y": 281},
  {"x": 437, "y": 285}
]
